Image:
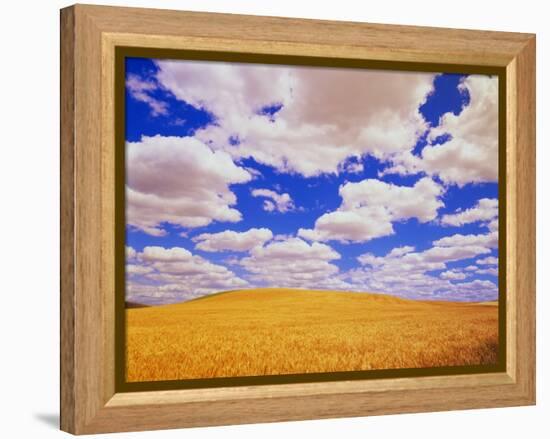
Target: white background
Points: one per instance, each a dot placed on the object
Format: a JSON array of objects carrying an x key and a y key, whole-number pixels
[{"x": 29, "y": 231}]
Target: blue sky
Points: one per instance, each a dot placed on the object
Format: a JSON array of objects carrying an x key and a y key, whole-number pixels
[{"x": 242, "y": 176}]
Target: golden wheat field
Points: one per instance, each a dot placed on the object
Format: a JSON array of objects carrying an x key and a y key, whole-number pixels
[{"x": 282, "y": 331}]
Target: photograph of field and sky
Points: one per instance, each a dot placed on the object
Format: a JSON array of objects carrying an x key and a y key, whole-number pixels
[{"x": 294, "y": 220}]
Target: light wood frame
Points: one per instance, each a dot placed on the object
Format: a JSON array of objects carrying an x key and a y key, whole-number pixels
[{"x": 89, "y": 36}]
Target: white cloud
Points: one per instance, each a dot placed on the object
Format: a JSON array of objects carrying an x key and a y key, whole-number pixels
[
  {"x": 352, "y": 167},
  {"x": 175, "y": 274},
  {"x": 157, "y": 253},
  {"x": 453, "y": 275},
  {"x": 420, "y": 201},
  {"x": 329, "y": 120},
  {"x": 282, "y": 237},
  {"x": 369, "y": 207},
  {"x": 479, "y": 290},
  {"x": 485, "y": 209},
  {"x": 408, "y": 280},
  {"x": 358, "y": 225},
  {"x": 269, "y": 206},
  {"x": 447, "y": 254},
  {"x": 181, "y": 181},
  {"x": 327, "y": 115},
  {"x": 130, "y": 252},
  {"x": 490, "y": 260},
  {"x": 471, "y": 154},
  {"x": 280, "y": 202},
  {"x": 294, "y": 263},
  {"x": 132, "y": 269},
  {"x": 492, "y": 271},
  {"x": 489, "y": 240},
  {"x": 223, "y": 88},
  {"x": 406, "y": 272},
  {"x": 295, "y": 247},
  {"x": 400, "y": 251},
  {"x": 231, "y": 240},
  {"x": 140, "y": 90},
  {"x": 434, "y": 258},
  {"x": 254, "y": 172},
  {"x": 493, "y": 225}
]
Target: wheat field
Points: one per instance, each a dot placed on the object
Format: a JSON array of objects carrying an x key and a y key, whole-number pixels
[{"x": 282, "y": 331}]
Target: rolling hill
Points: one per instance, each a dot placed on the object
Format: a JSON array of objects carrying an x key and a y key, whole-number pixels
[{"x": 281, "y": 331}]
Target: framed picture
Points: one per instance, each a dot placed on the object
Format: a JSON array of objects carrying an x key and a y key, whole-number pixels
[{"x": 275, "y": 219}]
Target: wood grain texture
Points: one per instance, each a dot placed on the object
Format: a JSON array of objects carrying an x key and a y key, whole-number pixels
[
  {"x": 67, "y": 254},
  {"x": 90, "y": 34},
  {"x": 309, "y": 389},
  {"x": 89, "y": 301},
  {"x": 373, "y": 41},
  {"x": 107, "y": 218},
  {"x": 525, "y": 244}
]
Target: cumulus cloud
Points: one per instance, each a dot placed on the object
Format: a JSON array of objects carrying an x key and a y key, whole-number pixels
[
  {"x": 480, "y": 290},
  {"x": 409, "y": 273},
  {"x": 319, "y": 121},
  {"x": 420, "y": 201},
  {"x": 132, "y": 269},
  {"x": 181, "y": 181},
  {"x": 233, "y": 241},
  {"x": 221, "y": 87},
  {"x": 370, "y": 206},
  {"x": 390, "y": 278},
  {"x": 357, "y": 225},
  {"x": 130, "y": 253},
  {"x": 493, "y": 225},
  {"x": 352, "y": 167},
  {"x": 489, "y": 266},
  {"x": 275, "y": 201},
  {"x": 141, "y": 91},
  {"x": 294, "y": 263},
  {"x": 453, "y": 275},
  {"x": 174, "y": 274},
  {"x": 471, "y": 153},
  {"x": 156, "y": 253},
  {"x": 491, "y": 271},
  {"x": 325, "y": 116},
  {"x": 400, "y": 251},
  {"x": 490, "y": 260},
  {"x": 446, "y": 254},
  {"x": 489, "y": 240},
  {"x": 485, "y": 209}
]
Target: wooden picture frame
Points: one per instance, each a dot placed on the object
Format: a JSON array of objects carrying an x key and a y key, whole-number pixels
[{"x": 90, "y": 399}]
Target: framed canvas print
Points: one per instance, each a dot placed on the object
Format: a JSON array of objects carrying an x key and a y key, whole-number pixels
[{"x": 273, "y": 219}]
